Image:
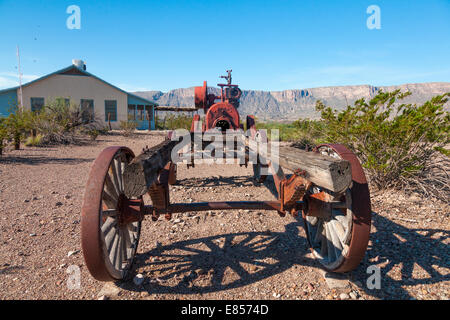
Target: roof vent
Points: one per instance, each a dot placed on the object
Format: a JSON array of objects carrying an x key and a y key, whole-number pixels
[{"x": 79, "y": 64}]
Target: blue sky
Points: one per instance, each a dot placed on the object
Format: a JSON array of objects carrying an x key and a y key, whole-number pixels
[{"x": 270, "y": 45}]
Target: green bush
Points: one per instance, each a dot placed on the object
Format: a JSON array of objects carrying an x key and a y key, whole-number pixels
[
  {"x": 174, "y": 121},
  {"x": 62, "y": 123},
  {"x": 17, "y": 124},
  {"x": 34, "y": 141},
  {"x": 396, "y": 142},
  {"x": 308, "y": 132},
  {"x": 3, "y": 134},
  {"x": 93, "y": 133}
]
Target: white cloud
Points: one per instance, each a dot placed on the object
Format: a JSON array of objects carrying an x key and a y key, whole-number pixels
[
  {"x": 131, "y": 88},
  {"x": 11, "y": 79}
]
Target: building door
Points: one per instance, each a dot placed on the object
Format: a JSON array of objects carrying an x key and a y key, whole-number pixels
[{"x": 141, "y": 118}]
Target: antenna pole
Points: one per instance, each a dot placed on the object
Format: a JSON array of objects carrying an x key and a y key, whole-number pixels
[{"x": 20, "y": 81}]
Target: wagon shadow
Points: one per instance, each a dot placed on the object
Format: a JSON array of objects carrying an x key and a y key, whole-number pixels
[
  {"x": 229, "y": 181},
  {"x": 8, "y": 269},
  {"x": 38, "y": 160},
  {"x": 228, "y": 261},
  {"x": 221, "y": 262},
  {"x": 399, "y": 250},
  {"x": 216, "y": 181}
]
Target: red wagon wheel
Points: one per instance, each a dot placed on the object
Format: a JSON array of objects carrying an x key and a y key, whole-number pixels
[
  {"x": 339, "y": 240},
  {"x": 109, "y": 238}
]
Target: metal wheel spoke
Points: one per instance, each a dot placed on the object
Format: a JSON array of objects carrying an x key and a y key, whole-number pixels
[
  {"x": 109, "y": 239},
  {"x": 109, "y": 224},
  {"x": 119, "y": 253},
  {"x": 118, "y": 166},
  {"x": 335, "y": 240},
  {"x": 124, "y": 248},
  {"x": 122, "y": 170},
  {"x": 330, "y": 247},
  {"x": 132, "y": 228},
  {"x": 115, "y": 176},
  {"x": 113, "y": 252},
  {"x": 109, "y": 200},
  {"x": 324, "y": 241},
  {"x": 110, "y": 187},
  {"x": 111, "y": 213},
  {"x": 318, "y": 235},
  {"x": 340, "y": 230},
  {"x": 126, "y": 235},
  {"x": 312, "y": 220}
]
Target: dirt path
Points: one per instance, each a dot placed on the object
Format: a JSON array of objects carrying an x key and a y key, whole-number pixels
[{"x": 234, "y": 255}]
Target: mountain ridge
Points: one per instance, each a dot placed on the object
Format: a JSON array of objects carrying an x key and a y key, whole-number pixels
[{"x": 292, "y": 104}]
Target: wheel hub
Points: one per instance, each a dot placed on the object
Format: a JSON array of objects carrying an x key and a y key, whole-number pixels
[{"x": 129, "y": 210}]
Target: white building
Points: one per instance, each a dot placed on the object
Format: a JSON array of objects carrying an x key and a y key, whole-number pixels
[{"x": 77, "y": 85}]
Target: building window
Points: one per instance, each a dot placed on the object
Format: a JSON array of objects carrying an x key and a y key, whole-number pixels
[
  {"x": 87, "y": 110},
  {"x": 62, "y": 102},
  {"x": 140, "y": 112},
  {"x": 37, "y": 104},
  {"x": 149, "y": 113},
  {"x": 110, "y": 110},
  {"x": 131, "y": 112}
]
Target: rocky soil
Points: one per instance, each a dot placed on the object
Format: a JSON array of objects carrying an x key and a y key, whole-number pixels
[{"x": 237, "y": 254}]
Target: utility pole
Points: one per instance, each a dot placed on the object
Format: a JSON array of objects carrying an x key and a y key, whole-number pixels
[{"x": 20, "y": 81}]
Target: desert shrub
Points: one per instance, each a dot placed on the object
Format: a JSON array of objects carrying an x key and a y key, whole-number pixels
[
  {"x": 103, "y": 130},
  {"x": 17, "y": 124},
  {"x": 62, "y": 123},
  {"x": 93, "y": 133},
  {"x": 174, "y": 121},
  {"x": 128, "y": 127},
  {"x": 286, "y": 131},
  {"x": 34, "y": 141},
  {"x": 397, "y": 143},
  {"x": 303, "y": 131},
  {"x": 3, "y": 134}
]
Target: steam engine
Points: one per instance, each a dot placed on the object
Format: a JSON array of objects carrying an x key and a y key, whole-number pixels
[{"x": 222, "y": 115}]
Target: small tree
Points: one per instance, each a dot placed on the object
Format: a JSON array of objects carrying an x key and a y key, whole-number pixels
[
  {"x": 60, "y": 121},
  {"x": 18, "y": 123},
  {"x": 3, "y": 134}
]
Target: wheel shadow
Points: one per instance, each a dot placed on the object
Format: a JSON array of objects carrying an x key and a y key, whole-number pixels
[
  {"x": 233, "y": 260},
  {"x": 230, "y": 181},
  {"x": 38, "y": 160},
  {"x": 398, "y": 251},
  {"x": 221, "y": 262},
  {"x": 217, "y": 181}
]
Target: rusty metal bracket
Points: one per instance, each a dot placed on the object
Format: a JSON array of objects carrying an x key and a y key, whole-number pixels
[
  {"x": 159, "y": 192},
  {"x": 292, "y": 190}
]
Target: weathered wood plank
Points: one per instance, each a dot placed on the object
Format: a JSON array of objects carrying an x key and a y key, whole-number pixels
[
  {"x": 143, "y": 171},
  {"x": 324, "y": 171}
]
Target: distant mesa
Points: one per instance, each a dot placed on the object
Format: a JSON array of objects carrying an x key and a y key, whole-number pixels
[{"x": 300, "y": 103}]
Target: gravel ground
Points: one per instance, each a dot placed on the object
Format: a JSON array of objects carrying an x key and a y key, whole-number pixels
[{"x": 237, "y": 254}]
